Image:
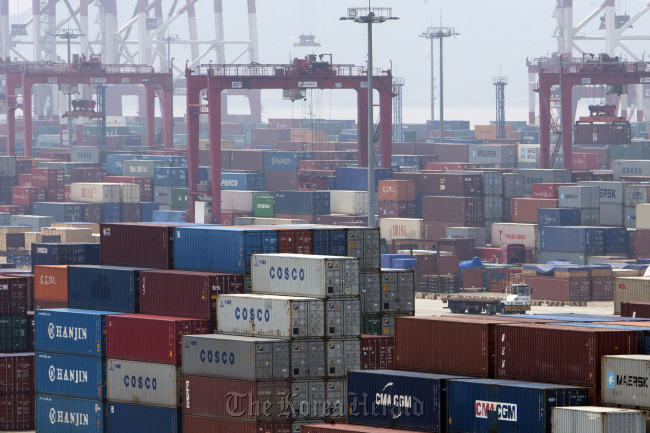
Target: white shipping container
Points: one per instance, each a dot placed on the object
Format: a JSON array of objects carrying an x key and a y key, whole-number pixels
[
  {"x": 349, "y": 202},
  {"x": 579, "y": 196},
  {"x": 143, "y": 383},
  {"x": 630, "y": 289},
  {"x": 593, "y": 419},
  {"x": 624, "y": 381},
  {"x": 514, "y": 233},
  {"x": 636, "y": 194},
  {"x": 630, "y": 167},
  {"x": 400, "y": 228},
  {"x": 611, "y": 215},
  {"x": 643, "y": 216},
  {"x": 95, "y": 192},
  {"x": 305, "y": 275},
  {"x": 129, "y": 193},
  {"x": 239, "y": 200},
  {"x": 271, "y": 316},
  {"x": 528, "y": 154},
  {"x": 610, "y": 192},
  {"x": 87, "y": 154},
  {"x": 504, "y": 154}
]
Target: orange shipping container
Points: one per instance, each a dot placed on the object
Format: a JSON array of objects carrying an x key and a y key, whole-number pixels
[
  {"x": 396, "y": 190},
  {"x": 485, "y": 132},
  {"x": 51, "y": 283},
  {"x": 308, "y": 135}
]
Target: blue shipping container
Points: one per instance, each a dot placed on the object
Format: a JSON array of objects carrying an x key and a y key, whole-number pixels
[
  {"x": 114, "y": 163},
  {"x": 221, "y": 249},
  {"x": 170, "y": 176},
  {"x": 302, "y": 202},
  {"x": 585, "y": 240},
  {"x": 61, "y": 212},
  {"x": 284, "y": 160},
  {"x": 330, "y": 242},
  {"x": 496, "y": 406},
  {"x": 398, "y": 399},
  {"x": 242, "y": 181},
  {"x": 67, "y": 330},
  {"x": 123, "y": 418},
  {"x": 387, "y": 260},
  {"x": 71, "y": 375},
  {"x": 104, "y": 288},
  {"x": 204, "y": 173},
  {"x": 56, "y": 414},
  {"x": 356, "y": 178},
  {"x": 405, "y": 160},
  {"x": 146, "y": 211},
  {"x": 167, "y": 216},
  {"x": 111, "y": 212},
  {"x": 563, "y": 216},
  {"x": 615, "y": 240},
  {"x": 65, "y": 254}
]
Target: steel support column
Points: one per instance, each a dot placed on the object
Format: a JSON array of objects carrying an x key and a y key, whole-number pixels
[
  {"x": 362, "y": 127},
  {"x": 214, "y": 127},
  {"x": 194, "y": 84},
  {"x": 386, "y": 126},
  {"x": 150, "y": 111}
]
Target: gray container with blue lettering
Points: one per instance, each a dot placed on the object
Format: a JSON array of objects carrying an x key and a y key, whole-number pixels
[
  {"x": 625, "y": 381},
  {"x": 270, "y": 316},
  {"x": 143, "y": 383},
  {"x": 236, "y": 357}
]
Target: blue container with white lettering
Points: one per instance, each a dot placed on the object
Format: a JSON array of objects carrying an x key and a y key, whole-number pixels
[
  {"x": 56, "y": 414},
  {"x": 496, "y": 406},
  {"x": 562, "y": 216},
  {"x": 67, "y": 330},
  {"x": 71, "y": 375},
  {"x": 65, "y": 254},
  {"x": 242, "y": 181},
  {"x": 221, "y": 249},
  {"x": 114, "y": 163},
  {"x": 398, "y": 399},
  {"x": 104, "y": 288},
  {"x": 585, "y": 240},
  {"x": 302, "y": 202},
  {"x": 284, "y": 160},
  {"x": 124, "y": 417},
  {"x": 170, "y": 176}
]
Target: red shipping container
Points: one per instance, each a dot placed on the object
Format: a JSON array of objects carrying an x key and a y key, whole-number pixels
[
  {"x": 377, "y": 352},
  {"x": 524, "y": 210},
  {"x": 48, "y": 177},
  {"x": 16, "y": 373},
  {"x": 228, "y": 217},
  {"x": 26, "y": 195},
  {"x": 146, "y": 245},
  {"x": 67, "y": 195},
  {"x": 280, "y": 180},
  {"x": 397, "y": 209},
  {"x": 451, "y": 208},
  {"x": 185, "y": 293},
  {"x": 14, "y": 297},
  {"x": 586, "y": 161},
  {"x": 141, "y": 337},
  {"x": 17, "y": 412},
  {"x": 211, "y": 396},
  {"x": 547, "y": 190},
  {"x": 396, "y": 190},
  {"x": 635, "y": 309},
  {"x": 25, "y": 179},
  {"x": 558, "y": 354},
  {"x": 204, "y": 424},
  {"x": 602, "y": 288},
  {"x": 452, "y": 184},
  {"x": 146, "y": 185},
  {"x": 548, "y": 288}
]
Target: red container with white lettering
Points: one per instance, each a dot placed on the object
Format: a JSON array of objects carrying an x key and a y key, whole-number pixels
[
  {"x": 377, "y": 352},
  {"x": 51, "y": 283},
  {"x": 396, "y": 190},
  {"x": 547, "y": 190}
]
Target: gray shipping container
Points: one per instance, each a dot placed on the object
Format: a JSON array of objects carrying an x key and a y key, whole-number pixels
[
  {"x": 590, "y": 217},
  {"x": 610, "y": 192},
  {"x": 143, "y": 383},
  {"x": 592, "y": 419},
  {"x": 629, "y": 216},
  {"x": 492, "y": 183},
  {"x": 308, "y": 359},
  {"x": 630, "y": 167},
  {"x": 35, "y": 222},
  {"x": 236, "y": 357},
  {"x": 343, "y": 317},
  {"x": 539, "y": 175},
  {"x": 476, "y": 233},
  {"x": 162, "y": 195},
  {"x": 271, "y": 316},
  {"x": 513, "y": 185},
  {"x": 579, "y": 197},
  {"x": 493, "y": 206},
  {"x": 319, "y": 399},
  {"x": 5, "y": 219},
  {"x": 343, "y": 356},
  {"x": 88, "y": 154},
  {"x": 504, "y": 155},
  {"x": 363, "y": 243},
  {"x": 625, "y": 381},
  {"x": 635, "y": 194},
  {"x": 397, "y": 291},
  {"x": 370, "y": 288},
  {"x": 611, "y": 214}
]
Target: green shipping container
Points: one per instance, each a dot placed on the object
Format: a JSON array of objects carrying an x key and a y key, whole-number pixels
[
  {"x": 263, "y": 207},
  {"x": 371, "y": 324},
  {"x": 14, "y": 333},
  {"x": 180, "y": 198}
]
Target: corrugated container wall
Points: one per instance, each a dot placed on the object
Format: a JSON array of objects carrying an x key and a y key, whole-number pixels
[
  {"x": 630, "y": 289},
  {"x": 592, "y": 419},
  {"x": 106, "y": 288},
  {"x": 513, "y": 233},
  {"x": 203, "y": 424},
  {"x": 124, "y": 417},
  {"x": 143, "y": 383},
  {"x": 146, "y": 245},
  {"x": 57, "y": 414},
  {"x": 71, "y": 375}
]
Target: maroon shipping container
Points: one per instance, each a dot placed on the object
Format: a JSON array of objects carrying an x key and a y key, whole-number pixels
[
  {"x": 204, "y": 424},
  {"x": 547, "y": 190},
  {"x": 146, "y": 185},
  {"x": 462, "y": 248},
  {"x": 14, "y": 296},
  {"x": 641, "y": 243},
  {"x": 524, "y": 210},
  {"x": 17, "y": 412},
  {"x": 244, "y": 159},
  {"x": 48, "y": 177},
  {"x": 211, "y": 396},
  {"x": 25, "y": 179},
  {"x": 43, "y": 304},
  {"x": 24, "y": 165},
  {"x": 402, "y": 148},
  {"x": 16, "y": 373},
  {"x": 449, "y": 183},
  {"x": 312, "y": 164},
  {"x": 451, "y": 208},
  {"x": 26, "y": 195},
  {"x": 145, "y": 245},
  {"x": 548, "y": 288},
  {"x": 347, "y": 428},
  {"x": 130, "y": 212},
  {"x": 186, "y": 293},
  {"x": 558, "y": 354},
  {"x": 294, "y": 241},
  {"x": 451, "y": 152},
  {"x": 397, "y": 209},
  {"x": 14, "y": 209},
  {"x": 377, "y": 352},
  {"x": 415, "y": 177},
  {"x": 142, "y": 337},
  {"x": 87, "y": 174},
  {"x": 280, "y": 180},
  {"x": 602, "y": 289},
  {"x": 635, "y": 309}
]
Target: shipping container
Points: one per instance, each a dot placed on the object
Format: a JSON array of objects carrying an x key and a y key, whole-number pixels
[
  {"x": 559, "y": 217},
  {"x": 561, "y": 354},
  {"x": 15, "y": 298},
  {"x": 514, "y": 233},
  {"x": 123, "y": 417},
  {"x": 14, "y": 336},
  {"x": 348, "y": 202},
  {"x": 270, "y": 315},
  {"x": 221, "y": 249},
  {"x": 143, "y": 383},
  {"x": 503, "y": 155},
  {"x": 147, "y": 245},
  {"x": 205, "y": 424},
  {"x": 452, "y": 208},
  {"x": 302, "y": 202},
  {"x": 61, "y": 212},
  {"x": 630, "y": 167},
  {"x": 594, "y": 419},
  {"x": 71, "y": 375},
  {"x": 343, "y": 355},
  {"x": 493, "y": 406},
  {"x": 16, "y": 373},
  {"x": 377, "y": 352},
  {"x": 57, "y": 414},
  {"x": 148, "y": 338},
  {"x": 585, "y": 240},
  {"x": 66, "y": 330},
  {"x": 396, "y": 190},
  {"x": 209, "y": 396},
  {"x": 65, "y": 254},
  {"x": 96, "y": 192},
  {"x": 17, "y": 412},
  {"x": 476, "y": 233},
  {"x": 356, "y": 178},
  {"x": 284, "y": 161},
  {"x": 630, "y": 289},
  {"x": 398, "y": 399},
  {"x": 624, "y": 380},
  {"x": 579, "y": 197},
  {"x": 538, "y": 175},
  {"x": 236, "y": 357},
  {"x": 305, "y": 275},
  {"x": 452, "y": 184},
  {"x": 242, "y": 181},
  {"x": 106, "y": 288}
]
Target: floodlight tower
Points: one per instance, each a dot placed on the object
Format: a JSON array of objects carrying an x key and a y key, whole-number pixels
[{"x": 500, "y": 84}]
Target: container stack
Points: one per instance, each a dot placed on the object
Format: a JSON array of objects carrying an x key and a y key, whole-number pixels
[
  {"x": 584, "y": 198},
  {"x": 612, "y": 202},
  {"x": 493, "y": 200},
  {"x": 396, "y": 199},
  {"x": 385, "y": 295}
]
